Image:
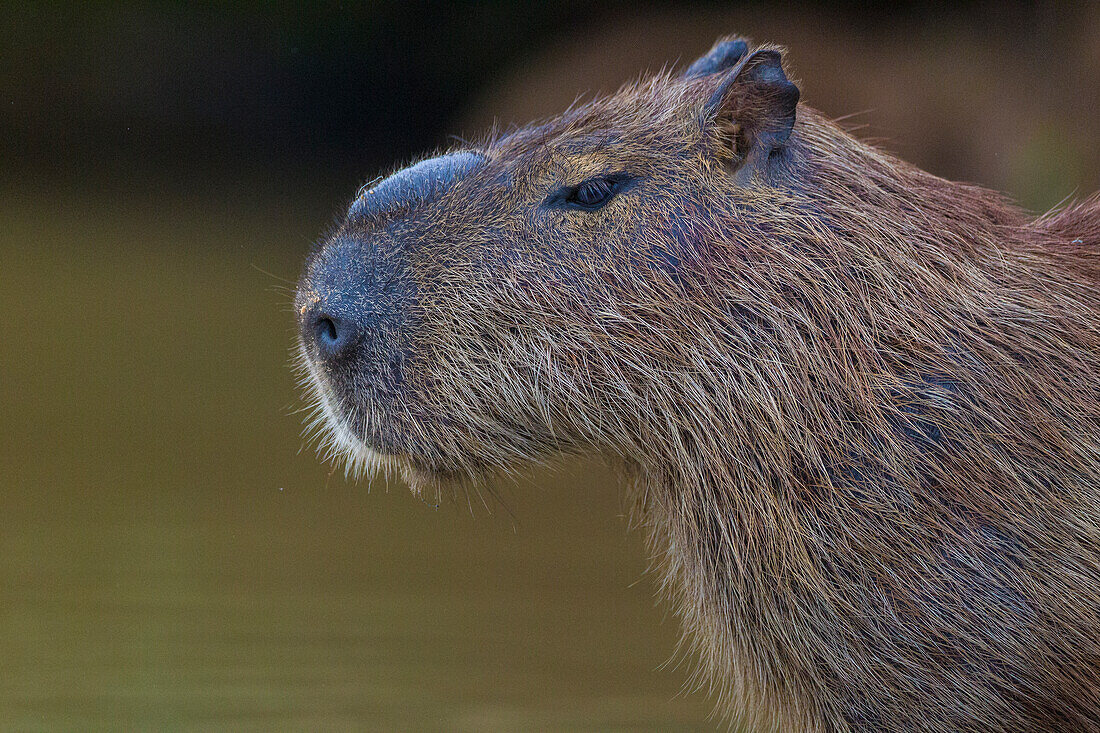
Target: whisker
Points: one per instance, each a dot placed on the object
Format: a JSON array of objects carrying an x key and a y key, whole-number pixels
[{"x": 257, "y": 268}]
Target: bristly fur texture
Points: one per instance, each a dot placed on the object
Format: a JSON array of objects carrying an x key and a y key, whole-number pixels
[{"x": 857, "y": 406}]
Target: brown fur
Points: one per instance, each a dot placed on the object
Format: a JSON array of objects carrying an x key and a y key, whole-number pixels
[{"x": 858, "y": 409}]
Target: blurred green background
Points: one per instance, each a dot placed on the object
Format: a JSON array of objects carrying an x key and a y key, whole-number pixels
[{"x": 171, "y": 556}]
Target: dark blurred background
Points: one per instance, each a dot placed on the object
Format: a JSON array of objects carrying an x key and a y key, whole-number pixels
[
  {"x": 171, "y": 556},
  {"x": 210, "y": 94}
]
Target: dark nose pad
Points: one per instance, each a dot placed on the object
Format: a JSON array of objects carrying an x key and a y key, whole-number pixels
[{"x": 334, "y": 336}]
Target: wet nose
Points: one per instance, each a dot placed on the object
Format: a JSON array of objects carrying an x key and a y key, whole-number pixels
[{"x": 334, "y": 336}]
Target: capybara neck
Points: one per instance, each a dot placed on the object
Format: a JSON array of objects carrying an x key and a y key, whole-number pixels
[{"x": 917, "y": 437}]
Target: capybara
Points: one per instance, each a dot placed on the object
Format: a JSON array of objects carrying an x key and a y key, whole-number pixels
[{"x": 856, "y": 406}]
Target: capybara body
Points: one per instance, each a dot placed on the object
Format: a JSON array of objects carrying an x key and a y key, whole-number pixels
[{"x": 857, "y": 406}]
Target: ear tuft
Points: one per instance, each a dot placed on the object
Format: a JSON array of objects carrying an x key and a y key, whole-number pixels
[
  {"x": 764, "y": 67},
  {"x": 725, "y": 54}
]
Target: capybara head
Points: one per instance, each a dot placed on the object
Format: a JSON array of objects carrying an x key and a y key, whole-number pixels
[{"x": 508, "y": 301}]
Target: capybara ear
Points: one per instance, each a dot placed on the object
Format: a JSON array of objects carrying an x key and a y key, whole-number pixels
[
  {"x": 753, "y": 107},
  {"x": 725, "y": 53}
]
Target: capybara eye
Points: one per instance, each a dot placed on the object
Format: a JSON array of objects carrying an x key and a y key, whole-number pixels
[
  {"x": 593, "y": 193},
  {"x": 590, "y": 194}
]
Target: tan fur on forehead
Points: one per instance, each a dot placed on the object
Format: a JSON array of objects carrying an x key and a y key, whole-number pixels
[{"x": 650, "y": 106}]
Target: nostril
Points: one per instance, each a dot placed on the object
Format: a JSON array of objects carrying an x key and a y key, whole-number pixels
[
  {"x": 326, "y": 331},
  {"x": 333, "y": 335}
]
